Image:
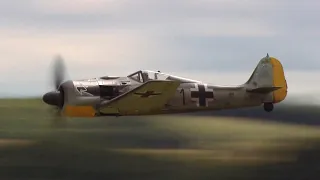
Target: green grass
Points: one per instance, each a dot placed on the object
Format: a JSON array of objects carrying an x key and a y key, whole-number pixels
[{"x": 151, "y": 147}]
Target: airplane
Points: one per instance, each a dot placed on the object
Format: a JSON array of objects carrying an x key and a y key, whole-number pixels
[{"x": 147, "y": 92}]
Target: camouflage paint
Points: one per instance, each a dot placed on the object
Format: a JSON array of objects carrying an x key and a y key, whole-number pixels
[{"x": 173, "y": 94}]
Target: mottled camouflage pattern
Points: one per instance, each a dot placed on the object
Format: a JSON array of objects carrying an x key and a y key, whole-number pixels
[{"x": 186, "y": 97}]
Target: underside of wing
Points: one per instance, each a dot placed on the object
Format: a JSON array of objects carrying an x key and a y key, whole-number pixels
[{"x": 148, "y": 98}]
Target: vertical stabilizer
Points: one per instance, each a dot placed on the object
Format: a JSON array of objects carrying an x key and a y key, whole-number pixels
[{"x": 268, "y": 77}]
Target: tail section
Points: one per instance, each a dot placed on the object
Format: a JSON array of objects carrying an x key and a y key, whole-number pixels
[{"x": 268, "y": 77}]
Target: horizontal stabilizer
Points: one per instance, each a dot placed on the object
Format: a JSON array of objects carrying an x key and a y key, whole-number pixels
[{"x": 263, "y": 90}]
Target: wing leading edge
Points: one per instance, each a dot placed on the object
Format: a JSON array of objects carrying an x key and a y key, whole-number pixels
[{"x": 148, "y": 98}]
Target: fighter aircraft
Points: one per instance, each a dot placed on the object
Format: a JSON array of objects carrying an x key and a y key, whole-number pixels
[{"x": 146, "y": 92}]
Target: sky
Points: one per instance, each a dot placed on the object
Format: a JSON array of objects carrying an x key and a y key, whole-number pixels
[{"x": 219, "y": 41}]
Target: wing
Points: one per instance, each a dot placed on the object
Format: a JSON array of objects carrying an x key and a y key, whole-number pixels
[{"x": 148, "y": 98}]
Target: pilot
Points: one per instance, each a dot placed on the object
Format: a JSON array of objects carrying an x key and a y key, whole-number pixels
[{"x": 145, "y": 76}]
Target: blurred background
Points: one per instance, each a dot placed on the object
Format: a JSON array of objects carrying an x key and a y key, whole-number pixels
[{"x": 216, "y": 41}]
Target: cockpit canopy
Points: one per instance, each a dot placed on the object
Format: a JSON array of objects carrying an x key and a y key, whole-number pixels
[{"x": 146, "y": 75}]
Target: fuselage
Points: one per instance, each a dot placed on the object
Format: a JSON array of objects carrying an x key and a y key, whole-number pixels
[
  {"x": 200, "y": 97},
  {"x": 190, "y": 96}
]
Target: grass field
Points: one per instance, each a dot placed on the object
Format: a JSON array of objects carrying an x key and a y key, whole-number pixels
[{"x": 152, "y": 147}]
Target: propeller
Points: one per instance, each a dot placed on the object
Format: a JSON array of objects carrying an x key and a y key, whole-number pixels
[
  {"x": 56, "y": 98},
  {"x": 58, "y": 71}
]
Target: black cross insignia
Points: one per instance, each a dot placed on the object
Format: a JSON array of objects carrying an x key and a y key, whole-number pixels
[
  {"x": 202, "y": 94},
  {"x": 147, "y": 94}
]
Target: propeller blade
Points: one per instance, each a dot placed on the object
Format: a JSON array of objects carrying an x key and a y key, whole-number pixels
[
  {"x": 59, "y": 71},
  {"x": 57, "y": 120}
]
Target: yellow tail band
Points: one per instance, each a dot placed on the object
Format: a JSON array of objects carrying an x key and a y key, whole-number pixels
[{"x": 278, "y": 81}]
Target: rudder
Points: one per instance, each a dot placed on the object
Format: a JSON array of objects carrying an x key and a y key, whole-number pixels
[{"x": 279, "y": 80}]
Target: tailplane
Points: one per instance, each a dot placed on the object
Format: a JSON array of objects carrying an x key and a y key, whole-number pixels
[
  {"x": 263, "y": 90},
  {"x": 268, "y": 77}
]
